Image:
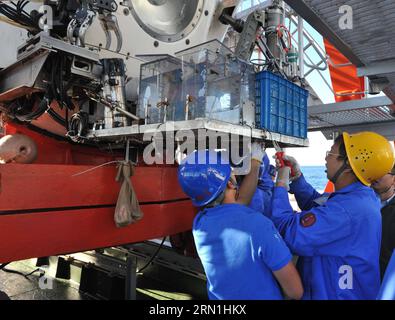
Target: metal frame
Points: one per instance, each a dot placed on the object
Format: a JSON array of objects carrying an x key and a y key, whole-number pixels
[
  {"x": 17, "y": 79},
  {"x": 385, "y": 129},
  {"x": 301, "y": 46},
  {"x": 382, "y": 122},
  {"x": 377, "y": 126},
  {"x": 120, "y": 262},
  {"x": 125, "y": 261},
  {"x": 44, "y": 41},
  {"x": 210, "y": 125},
  {"x": 317, "y": 23},
  {"x": 349, "y": 105},
  {"x": 335, "y": 112},
  {"x": 381, "y": 67}
]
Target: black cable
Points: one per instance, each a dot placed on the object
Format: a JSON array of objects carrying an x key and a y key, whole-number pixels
[
  {"x": 19, "y": 7},
  {"x": 2, "y": 266},
  {"x": 20, "y": 273},
  {"x": 43, "y": 106},
  {"x": 153, "y": 257},
  {"x": 57, "y": 90},
  {"x": 54, "y": 71},
  {"x": 87, "y": 144},
  {"x": 22, "y": 6},
  {"x": 61, "y": 89},
  {"x": 34, "y": 271},
  {"x": 18, "y": 15},
  {"x": 67, "y": 119},
  {"x": 55, "y": 116},
  {"x": 78, "y": 126}
]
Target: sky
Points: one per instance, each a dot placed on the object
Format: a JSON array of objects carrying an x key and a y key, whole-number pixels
[{"x": 314, "y": 155}]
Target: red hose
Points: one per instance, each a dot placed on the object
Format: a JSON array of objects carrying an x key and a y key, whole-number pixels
[{"x": 280, "y": 34}]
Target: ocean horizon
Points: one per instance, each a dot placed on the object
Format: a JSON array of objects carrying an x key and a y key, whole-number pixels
[{"x": 316, "y": 176}]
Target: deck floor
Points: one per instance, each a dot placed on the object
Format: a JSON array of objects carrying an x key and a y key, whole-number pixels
[{"x": 18, "y": 287}]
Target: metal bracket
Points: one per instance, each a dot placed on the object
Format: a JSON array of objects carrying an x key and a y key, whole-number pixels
[
  {"x": 81, "y": 23},
  {"x": 130, "y": 278},
  {"x": 246, "y": 44},
  {"x": 109, "y": 23},
  {"x": 83, "y": 19}
]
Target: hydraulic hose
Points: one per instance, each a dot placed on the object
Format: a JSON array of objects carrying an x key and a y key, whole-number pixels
[{"x": 42, "y": 107}]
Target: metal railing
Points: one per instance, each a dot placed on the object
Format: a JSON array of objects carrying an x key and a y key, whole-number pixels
[{"x": 300, "y": 36}]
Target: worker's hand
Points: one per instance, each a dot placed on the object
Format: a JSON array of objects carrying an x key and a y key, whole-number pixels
[
  {"x": 295, "y": 167},
  {"x": 283, "y": 177},
  {"x": 258, "y": 151},
  {"x": 294, "y": 164}
]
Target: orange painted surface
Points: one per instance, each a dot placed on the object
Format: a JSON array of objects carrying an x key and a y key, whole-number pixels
[
  {"x": 37, "y": 186},
  {"x": 52, "y": 151},
  {"x": 344, "y": 79},
  {"x": 330, "y": 187},
  {"x": 39, "y": 234},
  {"x": 48, "y": 208}
]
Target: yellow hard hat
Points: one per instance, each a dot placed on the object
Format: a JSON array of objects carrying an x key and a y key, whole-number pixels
[{"x": 370, "y": 155}]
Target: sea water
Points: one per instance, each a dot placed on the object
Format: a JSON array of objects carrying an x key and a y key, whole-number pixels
[{"x": 316, "y": 176}]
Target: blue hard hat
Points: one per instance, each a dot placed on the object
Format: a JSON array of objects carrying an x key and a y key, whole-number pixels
[{"x": 203, "y": 175}]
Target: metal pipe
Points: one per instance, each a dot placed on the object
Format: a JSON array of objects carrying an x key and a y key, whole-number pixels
[
  {"x": 312, "y": 66},
  {"x": 349, "y": 93},
  {"x": 340, "y": 65},
  {"x": 366, "y": 83},
  {"x": 300, "y": 46},
  {"x": 187, "y": 107},
  {"x": 311, "y": 40},
  {"x": 107, "y": 104},
  {"x": 126, "y": 113},
  {"x": 146, "y": 113},
  {"x": 127, "y": 150}
]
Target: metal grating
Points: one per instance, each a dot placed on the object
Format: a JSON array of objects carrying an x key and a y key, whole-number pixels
[
  {"x": 351, "y": 117},
  {"x": 371, "y": 38},
  {"x": 369, "y": 45},
  {"x": 369, "y": 41}
]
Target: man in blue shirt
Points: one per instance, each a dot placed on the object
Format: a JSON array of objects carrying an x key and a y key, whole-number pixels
[
  {"x": 241, "y": 251},
  {"x": 337, "y": 236},
  {"x": 262, "y": 199},
  {"x": 385, "y": 189}
]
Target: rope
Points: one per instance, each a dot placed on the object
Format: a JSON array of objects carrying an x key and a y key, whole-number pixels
[{"x": 97, "y": 167}]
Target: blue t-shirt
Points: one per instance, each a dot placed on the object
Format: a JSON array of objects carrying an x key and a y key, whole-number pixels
[
  {"x": 261, "y": 200},
  {"x": 239, "y": 248},
  {"x": 387, "y": 290}
]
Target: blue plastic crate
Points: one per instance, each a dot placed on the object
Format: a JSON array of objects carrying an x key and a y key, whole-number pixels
[{"x": 281, "y": 106}]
